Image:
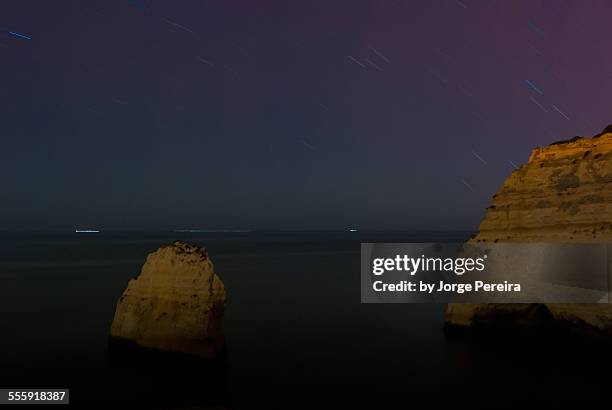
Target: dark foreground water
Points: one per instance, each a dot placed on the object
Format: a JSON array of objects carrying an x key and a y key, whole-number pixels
[{"x": 296, "y": 331}]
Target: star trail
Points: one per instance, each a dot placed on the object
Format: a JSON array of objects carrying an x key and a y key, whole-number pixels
[{"x": 301, "y": 115}]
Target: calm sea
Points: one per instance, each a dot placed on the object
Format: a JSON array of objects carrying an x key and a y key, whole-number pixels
[{"x": 295, "y": 328}]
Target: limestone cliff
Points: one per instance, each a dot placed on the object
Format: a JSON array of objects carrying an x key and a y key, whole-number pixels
[
  {"x": 176, "y": 303},
  {"x": 563, "y": 194}
]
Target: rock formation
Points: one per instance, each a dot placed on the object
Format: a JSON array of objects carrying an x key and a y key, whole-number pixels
[
  {"x": 176, "y": 304},
  {"x": 563, "y": 194}
]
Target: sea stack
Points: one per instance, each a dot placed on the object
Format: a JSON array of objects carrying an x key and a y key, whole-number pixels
[
  {"x": 175, "y": 304},
  {"x": 562, "y": 195}
]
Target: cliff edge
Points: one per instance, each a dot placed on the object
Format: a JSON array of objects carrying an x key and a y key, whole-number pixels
[{"x": 563, "y": 194}]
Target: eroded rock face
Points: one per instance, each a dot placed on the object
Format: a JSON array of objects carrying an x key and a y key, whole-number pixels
[
  {"x": 563, "y": 194},
  {"x": 175, "y": 304}
]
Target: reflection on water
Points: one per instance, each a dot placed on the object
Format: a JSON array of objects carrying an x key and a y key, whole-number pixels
[{"x": 144, "y": 375}]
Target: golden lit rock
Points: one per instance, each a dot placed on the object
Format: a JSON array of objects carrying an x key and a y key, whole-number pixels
[
  {"x": 562, "y": 195},
  {"x": 176, "y": 304}
]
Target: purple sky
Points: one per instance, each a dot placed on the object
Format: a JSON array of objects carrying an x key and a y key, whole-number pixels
[{"x": 284, "y": 114}]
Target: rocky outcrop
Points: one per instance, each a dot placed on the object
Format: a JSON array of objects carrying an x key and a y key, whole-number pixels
[
  {"x": 563, "y": 195},
  {"x": 175, "y": 304}
]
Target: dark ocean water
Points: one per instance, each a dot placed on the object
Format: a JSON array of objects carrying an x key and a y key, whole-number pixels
[{"x": 295, "y": 328}]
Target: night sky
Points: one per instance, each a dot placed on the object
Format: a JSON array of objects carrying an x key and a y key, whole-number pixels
[{"x": 283, "y": 114}]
